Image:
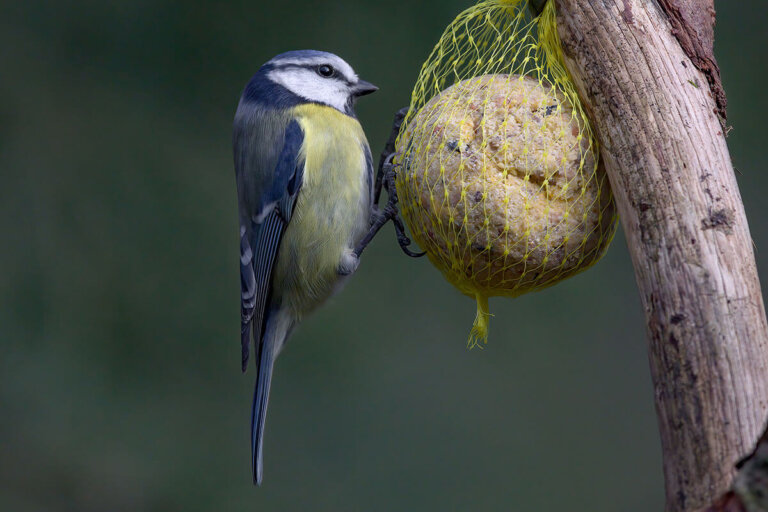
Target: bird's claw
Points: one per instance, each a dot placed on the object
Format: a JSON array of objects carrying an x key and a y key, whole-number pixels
[
  {"x": 391, "y": 210},
  {"x": 385, "y": 179}
]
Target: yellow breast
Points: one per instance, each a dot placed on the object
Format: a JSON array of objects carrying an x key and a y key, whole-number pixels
[{"x": 332, "y": 210}]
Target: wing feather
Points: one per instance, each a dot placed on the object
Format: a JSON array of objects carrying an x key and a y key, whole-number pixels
[{"x": 267, "y": 198}]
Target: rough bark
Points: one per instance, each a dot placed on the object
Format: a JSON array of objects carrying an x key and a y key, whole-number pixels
[
  {"x": 693, "y": 24},
  {"x": 750, "y": 488},
  {"x": 668, "y": 163}
]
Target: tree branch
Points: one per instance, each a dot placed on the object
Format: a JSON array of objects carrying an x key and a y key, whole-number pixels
[{"x": 669, "y": 167}]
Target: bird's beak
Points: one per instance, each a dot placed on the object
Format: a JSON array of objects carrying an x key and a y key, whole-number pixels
[{"x": 362, "y": 88}]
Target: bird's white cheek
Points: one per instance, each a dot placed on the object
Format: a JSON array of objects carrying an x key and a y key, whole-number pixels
[{"x": 311, "y": 87}]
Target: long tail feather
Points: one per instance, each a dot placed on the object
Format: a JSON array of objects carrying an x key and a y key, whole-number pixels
[
  {"x": 273, "y": 338},
  {"x": 259, "y": 413}
]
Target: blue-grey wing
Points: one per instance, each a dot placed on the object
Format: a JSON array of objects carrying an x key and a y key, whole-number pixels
[{"x": 267, "y": 190}]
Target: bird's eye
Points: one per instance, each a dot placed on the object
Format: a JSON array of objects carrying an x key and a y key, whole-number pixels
[{"x": 325, "y": 70}]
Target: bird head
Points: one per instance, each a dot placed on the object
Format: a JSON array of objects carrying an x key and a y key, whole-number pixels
[{"x": 316, "y": 77}]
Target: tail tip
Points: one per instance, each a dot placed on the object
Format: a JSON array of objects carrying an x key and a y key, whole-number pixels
[{"x": 258, "y": 474}]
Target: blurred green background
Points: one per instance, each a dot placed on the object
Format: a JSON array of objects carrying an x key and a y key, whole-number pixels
[{"x": 120, "y": 386}]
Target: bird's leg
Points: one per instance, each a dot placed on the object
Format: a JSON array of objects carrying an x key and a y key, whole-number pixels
[
  {"x": 390, "y": 212},
  {"x": 386, "y": 178},
  {"x": 389, "y": 150}
]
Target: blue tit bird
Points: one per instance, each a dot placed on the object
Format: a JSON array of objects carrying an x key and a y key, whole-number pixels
[{"x": 305, "y": 191}]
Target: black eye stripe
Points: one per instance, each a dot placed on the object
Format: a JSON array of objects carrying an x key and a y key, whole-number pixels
[{"x": 313, "y": 67}]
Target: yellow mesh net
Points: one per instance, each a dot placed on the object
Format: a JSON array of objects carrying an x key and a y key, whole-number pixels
[{"x": 498, "y": 173}]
